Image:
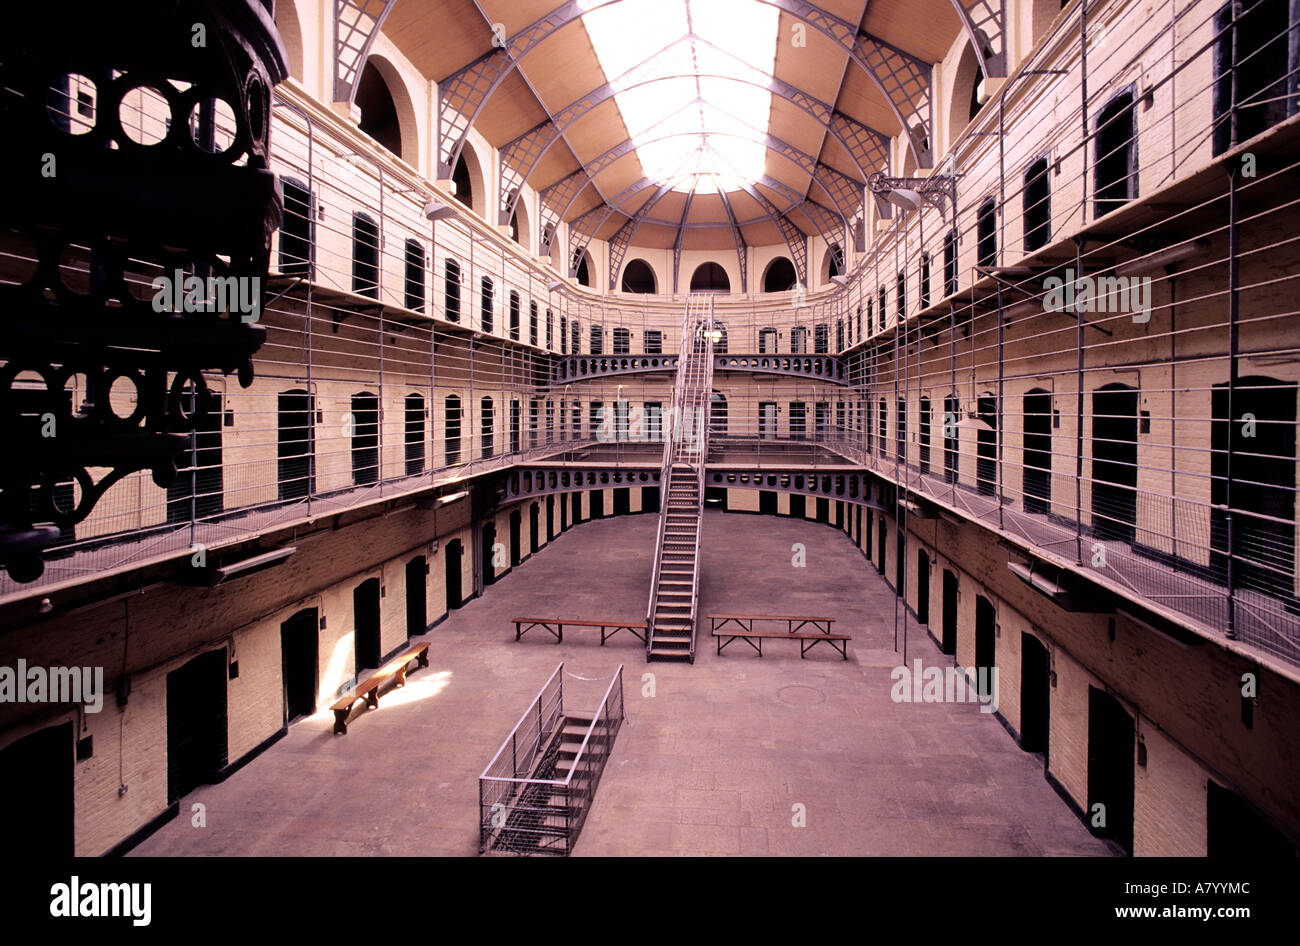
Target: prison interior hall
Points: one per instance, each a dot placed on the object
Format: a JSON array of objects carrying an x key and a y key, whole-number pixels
[{"x": 635, "y": 427}]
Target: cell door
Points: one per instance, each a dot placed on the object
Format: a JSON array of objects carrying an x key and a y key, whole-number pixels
[
  {"x": 798, "y": 506},
  {"x": 299, "y": 663},
  {"x": 1035, "y": 694},
  {"x": 534, "y": 527},
  {"x": 823, "y": 510},
  {"x": 985, "y": 633},
  {"x": 882, "y": 536},
  {"x": 948, "y": 643},
  {"x": 453, "y": 556},
  {"x": 365, "y": 618},
  {"x": 486, "y": 555},
  {"x": 295, "y": 416},
  {"x": 597, "y": 504},
  {"x": 516, "y": 538},
  {"x": 36, "y": 794},
  {"x": 622, "y": 501},
  {"x": 1114, "y": 462},
  {"x": 196, "y": 723},
  {"x": 1110, "y": 769},
  {"x": 922, "y": 586},
  {"x": 1038, "y": 451},
  {"x": 767, "y": 502},
  {"x": 767, "y": 420},
  {"x": 650, "y": 499},
  {"x": 417, "y": 612}
]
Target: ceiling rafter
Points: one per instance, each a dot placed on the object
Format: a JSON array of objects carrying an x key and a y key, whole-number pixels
[{"x": 742, "y": 248}]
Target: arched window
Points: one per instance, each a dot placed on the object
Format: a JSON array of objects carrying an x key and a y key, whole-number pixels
[
  {"x": 451, "y": 290},
  {"x": 413, "y": 284},
  {"x": 834, "y": 261},
  {"x": 639, "y": 277},
  {"x": 378, "y": 110},
  {"x": 1115, "y": 159},
  {"x": 365, "y": 256},
  {"x": 710, "y": 277},
  {"x": 950, "y": 263},
  {"x": 925, "y": 280},
  {"x": 365, "y": 438},
  {"x": 583, "y": 272},
  {"x": 485, "y": 304},
  {"x": 1037, "y": 476},
  {"x": 514, "y": 315},
  {"x": 414, "y": 434},
  {"x": 717, "y": 414},
  {"x": 297, "y": 246},
  {"x": 451, "y": 421},
  {"x": 487, "y": 422},
  {"x": 1037, "y": 197},
  {"x": 779, "y": 275},
  {"x": 986, "y": 227}
]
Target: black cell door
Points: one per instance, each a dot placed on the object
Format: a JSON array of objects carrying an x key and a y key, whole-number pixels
[
  {"x": 1263, "y": 468},
  {"x": 196, "y": 723},
  {"x": 823, "y": 510},
  {"x": 767, "y": 502},
  {"x": 516, "y": 538},
  {"x": 550, "y": 517},
  {"x": 798, "y": 506},
  {"x": 365, "y": 619},
  {"x": 986, "y": 446},
  {"x": 1038, "y": 451},
  {"x": 985, "y": 620},
  {"x": 453, "y": 556},
  {"x": 1236, "y": 830},
  {"x": 922, "y": 586},
  {"x": 534, "y": 527},
  {"x": 417, "y": 608},
  {"x": 576, "y": 507},
  {"x": 486, "y": 554},
  {"x": 650, "y": 499},
  {"x": 881, "y": 537},
  {"x": 1114, "y": 462},
  {"x": 598, "y": 504},
  {"x": 299, "y": 659},
  {"x": 197, "y": 490},
  {"x": 622, "y": 501},
  {"x": 294, "y": 450},
  {"x": 949, "y": 642},
  {"x": 900, "y": 562},
  {"x": 1110, "y": 769},
  {"x": 36, "y": 792},
  {"x": 1035, "y": 694}
]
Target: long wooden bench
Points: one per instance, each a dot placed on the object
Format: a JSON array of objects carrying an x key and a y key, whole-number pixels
[
  {"x": 556, "y": 626},
  {"x": 368, "y": 689},
  {"x": 730, "y": 627}
]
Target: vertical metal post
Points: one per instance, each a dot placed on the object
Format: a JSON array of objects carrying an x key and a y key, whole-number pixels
[
  {"x": 1078, "y": 414},
  {"x": 1234, "y": 211},
  {"x": 1000, "y": 416},
  {"x": 1083, "y": 92}
]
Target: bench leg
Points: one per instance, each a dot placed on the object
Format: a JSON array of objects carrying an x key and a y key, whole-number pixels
[
  {"x": 341, "y": 721},
  {"x": 400, "y": 677},
  {"x": 423, "y": 657},
  {"x": 372, "y": 698}
]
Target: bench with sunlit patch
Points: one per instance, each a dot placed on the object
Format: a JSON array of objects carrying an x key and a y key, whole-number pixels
[
  {"x": 368, "y": 689},
  {"x": 555, "y": 627},
  {"x": 730, "y": 627}
]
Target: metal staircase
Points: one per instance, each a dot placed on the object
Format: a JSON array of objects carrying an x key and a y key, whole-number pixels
[{"x": 674, "y": 585}]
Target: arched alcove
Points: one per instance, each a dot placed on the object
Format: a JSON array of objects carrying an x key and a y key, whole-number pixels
[
  {"x": 289, "y": 25},
  {"x": 710, "y": 277},
  {"x": 584, "y": 270},
  {"x": 468, "y": 181},
  {"x": 387, "y": 113},
  {"x": 639, "y": 277},
  {"x": 779, "y": 275}
]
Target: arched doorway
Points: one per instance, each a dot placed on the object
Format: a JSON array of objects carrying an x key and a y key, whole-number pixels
[
  {"x": 299, "y": 663},
  {"x": 453, "y": 556},
  {"x": 1035, "y": 694},
  {"x": 1114, "y": 461},
  {"x": 1037, "y": 408}
]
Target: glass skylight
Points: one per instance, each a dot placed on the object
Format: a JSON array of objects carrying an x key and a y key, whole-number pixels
[{"x": 694, "y": 126}]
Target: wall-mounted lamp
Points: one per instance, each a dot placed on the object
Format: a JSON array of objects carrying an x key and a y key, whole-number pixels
[
  {"x": 840, "y": 280},
  {"x": 437, "y": 210},
  {"x": 555, "y": 285},
  {"x": 903, "y": 198}
]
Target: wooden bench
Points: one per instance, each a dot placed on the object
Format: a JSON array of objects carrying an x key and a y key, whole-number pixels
[
  {"x": 728, "y": 627},
  {"x": 556, "y": 626},
  {"x": 368, "y": 689}
]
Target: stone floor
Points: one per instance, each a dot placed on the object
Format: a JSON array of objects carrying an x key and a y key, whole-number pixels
[{"x": 715, "y": 762}]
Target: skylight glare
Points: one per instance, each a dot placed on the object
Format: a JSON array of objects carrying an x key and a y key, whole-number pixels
[{"x": 718, "y": 54}]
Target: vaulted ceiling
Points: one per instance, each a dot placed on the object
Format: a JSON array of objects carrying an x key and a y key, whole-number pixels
[{"x": 685, "y": 124}]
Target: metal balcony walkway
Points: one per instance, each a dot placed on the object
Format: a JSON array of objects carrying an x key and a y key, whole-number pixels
[{"x": 674, "y": 584}]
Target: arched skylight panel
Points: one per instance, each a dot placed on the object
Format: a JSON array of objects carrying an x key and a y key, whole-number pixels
[{"x": 639, "y": 39}]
